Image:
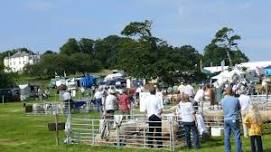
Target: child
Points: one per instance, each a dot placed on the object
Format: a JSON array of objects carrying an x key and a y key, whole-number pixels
[{"x": 253, "y": 122}]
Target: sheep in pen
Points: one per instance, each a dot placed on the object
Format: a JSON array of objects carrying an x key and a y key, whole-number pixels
[{"x": 135, "y": 132}]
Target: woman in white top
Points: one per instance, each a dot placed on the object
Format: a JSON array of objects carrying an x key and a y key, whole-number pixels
[{"x": 186, "y": 114}]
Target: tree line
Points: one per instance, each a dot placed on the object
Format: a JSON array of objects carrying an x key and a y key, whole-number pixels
[{"x": 139, "y": 53}]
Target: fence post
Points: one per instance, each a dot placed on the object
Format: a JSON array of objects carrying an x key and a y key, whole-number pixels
[
  {"x": 144, "y": 135},
  {"x": 93, "y": 135},
  {"x": 170, "y": 135},
  {"x": 118, "y": 136},
  {"x": 56, "y": 125},
  {"x": 172, "y": 141},
  {"x": 3, "y": 99}
]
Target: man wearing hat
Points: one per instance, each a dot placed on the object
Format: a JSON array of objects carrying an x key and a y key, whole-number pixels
[{"x": 110, "y": 103}]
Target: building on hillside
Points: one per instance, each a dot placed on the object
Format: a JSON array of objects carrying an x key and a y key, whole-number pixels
[{"x": 19, "y": 60}]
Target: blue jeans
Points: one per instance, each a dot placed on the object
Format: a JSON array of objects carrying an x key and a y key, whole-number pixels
[
  {"x": 232, "y": 126},
  {"x": 188, "y": 127}
]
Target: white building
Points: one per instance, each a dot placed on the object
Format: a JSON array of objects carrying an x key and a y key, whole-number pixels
[{"x": 19, "y": 60}]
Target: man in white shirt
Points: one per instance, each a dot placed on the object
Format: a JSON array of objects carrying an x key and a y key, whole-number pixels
[
  {"x": 199, "y": 97},
  {"x": 189, "y": 90},
  {"x": 110, "y": 104},
  {"x": 181, "y": 88},
  {"x": 98, "y": 98},
  {"x": 66, "y": 96},
  {"x": 244, "y": 100},
  {"x": 154, "y": 108}
]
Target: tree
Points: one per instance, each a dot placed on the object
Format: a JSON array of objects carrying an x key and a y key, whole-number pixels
[
  {"x": 49, "y": 52},
  {"x": 6, "y": 79},
  {"x": 70, "y": 47},
  {"x": 224, "y": 45},
  {"x": 87, "y": 46},
  {"x": 226, "y": 40},
  {"x": 141, "y": 30}
]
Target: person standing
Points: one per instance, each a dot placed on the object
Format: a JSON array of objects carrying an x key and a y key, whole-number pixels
[
  {"x": 254, "y": 123},
  {"x": 153, "y": 108},
  {"x": 110, "y": 104},
  {"x": 199, "y": 98},
  {"x": 98, "y": 98},
  {"x": 186, "y": 114},
  {"x": 244, "y": 100},
  {"x": 189, "y": 90},
  {"x": 231, "y": 108},
  {"x": 67, "y": 101},
  {"x": 210, "y": 95},
  {"x": 181, "y": 88},
  {"x": 124, "y": 103}
]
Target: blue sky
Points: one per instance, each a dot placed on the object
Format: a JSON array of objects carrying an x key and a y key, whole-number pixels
[{"x": 46, "y": 24}]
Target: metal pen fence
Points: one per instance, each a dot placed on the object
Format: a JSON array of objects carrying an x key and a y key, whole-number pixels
[
  {"x": 60, "y": 108},
  {"x": 120, "y": 131},
  {"x": 134, "y": 130}
]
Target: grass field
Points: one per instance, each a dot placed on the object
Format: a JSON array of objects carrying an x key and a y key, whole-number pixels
[{"x": 22, "y": 133}]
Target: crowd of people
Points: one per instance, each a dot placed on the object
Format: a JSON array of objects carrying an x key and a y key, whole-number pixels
[{"x": 234, "y": 101}]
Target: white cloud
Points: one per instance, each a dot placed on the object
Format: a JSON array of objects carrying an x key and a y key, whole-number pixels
[{"x": 39, "y": 5}]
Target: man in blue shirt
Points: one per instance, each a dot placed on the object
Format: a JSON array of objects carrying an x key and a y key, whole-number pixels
[{"x": 231, "y": 108}]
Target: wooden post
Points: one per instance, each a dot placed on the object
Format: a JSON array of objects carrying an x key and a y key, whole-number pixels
[
  {"x": 3, "y": 99},
  {"x": 56, "y": 123}
]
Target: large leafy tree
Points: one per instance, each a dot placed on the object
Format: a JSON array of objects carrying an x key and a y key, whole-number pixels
[
  {"x": 142, "y": 30},
  {"x": 224, "y": 46},
  {"x": 70, "y": 47},
  {"x": 87, "y": 46},
  {"x": 149, "y": 57}
]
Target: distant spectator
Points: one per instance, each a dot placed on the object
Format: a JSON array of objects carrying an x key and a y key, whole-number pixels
[
  {"x": 67, "y": 101},
  {"x": 124, "y": 103},
  {"x": 181, "y": 88},
  {"x": 199, "y": 97},
  {"x": 189, "y": 90},
  {"x": 210, "y": 94},
  {"x": 98, "y": 98},
  {"x": 110, "y": 104}
]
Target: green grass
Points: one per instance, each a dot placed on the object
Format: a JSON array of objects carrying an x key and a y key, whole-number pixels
[{"x": 19, "y": 132}]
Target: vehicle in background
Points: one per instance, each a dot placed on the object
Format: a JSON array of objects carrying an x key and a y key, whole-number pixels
[{"x": 10, "y": 94}]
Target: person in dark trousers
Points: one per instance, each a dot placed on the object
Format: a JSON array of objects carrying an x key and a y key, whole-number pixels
[
  {"x": 154, "y": 109},
  {"x": 254, "y": 123},
  {"x": 186, "y": 113}
]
